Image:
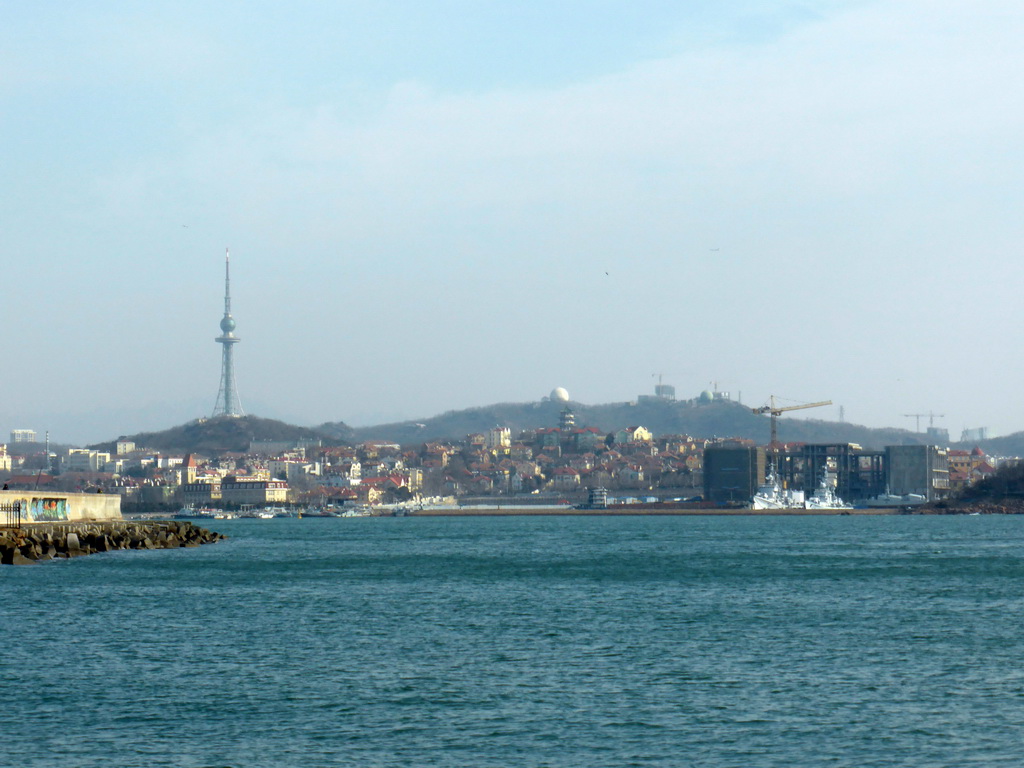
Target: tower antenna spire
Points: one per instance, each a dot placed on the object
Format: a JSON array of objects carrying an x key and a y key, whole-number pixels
[
  {"x": 227, "y": 281},
  {"x": 227, "y": 403}
]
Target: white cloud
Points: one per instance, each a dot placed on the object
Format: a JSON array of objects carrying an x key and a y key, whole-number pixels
[{"x": 843, "y": 169}]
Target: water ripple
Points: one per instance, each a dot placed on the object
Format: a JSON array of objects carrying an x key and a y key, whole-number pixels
[{"x": 549, "y": 642}]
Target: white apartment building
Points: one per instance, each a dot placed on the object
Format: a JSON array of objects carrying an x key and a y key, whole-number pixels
[
  {"x": 499, "y": 439},
  {"x": 84, "y": 460}
]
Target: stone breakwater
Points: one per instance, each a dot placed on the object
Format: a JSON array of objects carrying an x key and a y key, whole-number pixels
[{"x": 47, "y": 541}]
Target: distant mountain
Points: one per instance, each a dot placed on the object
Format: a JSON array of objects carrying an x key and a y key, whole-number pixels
[
  {"x": 217, "y": 435},
  {"x": 722, "y": 418}
]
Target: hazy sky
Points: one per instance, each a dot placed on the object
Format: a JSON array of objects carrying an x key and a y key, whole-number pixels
[{"x": 436, "y": 205}]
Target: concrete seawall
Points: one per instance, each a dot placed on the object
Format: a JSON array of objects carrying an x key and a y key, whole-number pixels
[
  {"x": 54, "y": 507},
  {"x": 47, "y": 541}
]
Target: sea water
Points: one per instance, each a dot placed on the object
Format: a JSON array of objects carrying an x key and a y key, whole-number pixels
[{"x": 526, "y": 641}]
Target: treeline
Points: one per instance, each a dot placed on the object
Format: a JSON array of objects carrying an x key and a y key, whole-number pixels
[{"x": 1005, "y": 482}]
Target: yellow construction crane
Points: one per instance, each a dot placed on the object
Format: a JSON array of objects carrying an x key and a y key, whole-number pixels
[{"x": 775, "y": 410}]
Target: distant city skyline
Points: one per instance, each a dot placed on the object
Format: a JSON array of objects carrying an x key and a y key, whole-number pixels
[{"x": 446, "y": 204}]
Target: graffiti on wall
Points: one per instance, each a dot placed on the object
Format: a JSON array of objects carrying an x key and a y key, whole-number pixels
[{"x": 48, "y": 510}]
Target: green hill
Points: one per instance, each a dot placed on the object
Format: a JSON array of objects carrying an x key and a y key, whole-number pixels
[
  {"x": 217, "y": 436},
  {"x": 703, "y": 420},
  {"x": 699, "y": 419}
]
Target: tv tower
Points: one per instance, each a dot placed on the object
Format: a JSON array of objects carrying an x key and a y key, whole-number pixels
[{"x": 228, "y": 403}]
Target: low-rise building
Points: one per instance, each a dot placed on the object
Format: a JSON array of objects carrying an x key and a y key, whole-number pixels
[
  {"x": 246, "y": 490},
  {"x": 499, "y": 439},
  {"x": 413, "y": 478},
  {"x": 84, "y": 460},
  {"x": 635, "y": 434},
  {"x": 565, "y": 479},
  {"x": 629, "y": 476},
  {"x": 587, "y": 439},
  {"x": 200, "y": 493}
]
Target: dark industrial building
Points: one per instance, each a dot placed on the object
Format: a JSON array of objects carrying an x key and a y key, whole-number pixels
[
  {"x": 919, "y": 469},
  {"x": 857, "y": 473},
  {"x": 734, "y": 470}
]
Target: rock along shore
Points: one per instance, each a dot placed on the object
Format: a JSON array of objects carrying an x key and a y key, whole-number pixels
[{"x": 35, "y": 542}]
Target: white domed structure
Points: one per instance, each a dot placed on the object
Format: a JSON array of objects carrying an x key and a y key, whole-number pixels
[
  {"x": 707, "y": 396},
  {"x": 560, "y": 395}
]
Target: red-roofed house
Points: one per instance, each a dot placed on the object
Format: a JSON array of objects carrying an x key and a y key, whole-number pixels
[{"x": 565, "y": 479}]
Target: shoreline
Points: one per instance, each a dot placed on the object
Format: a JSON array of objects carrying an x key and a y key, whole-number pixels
[{"x": 638, "y": 512}]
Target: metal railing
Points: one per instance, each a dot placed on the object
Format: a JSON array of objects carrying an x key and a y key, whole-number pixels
[{"x": 10, "y": 515}]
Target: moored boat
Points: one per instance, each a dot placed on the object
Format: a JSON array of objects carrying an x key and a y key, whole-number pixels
[
  {"x": 770, "y": 495},
  {"x": 895, "y": 500},
  {"x": 825, "y": 497}
]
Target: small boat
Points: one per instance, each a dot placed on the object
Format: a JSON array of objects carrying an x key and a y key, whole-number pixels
[
  {"x": 894, "y": 500},
  {"x": 190, "y": 512},
  {"x": 361, "y": 511}
]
